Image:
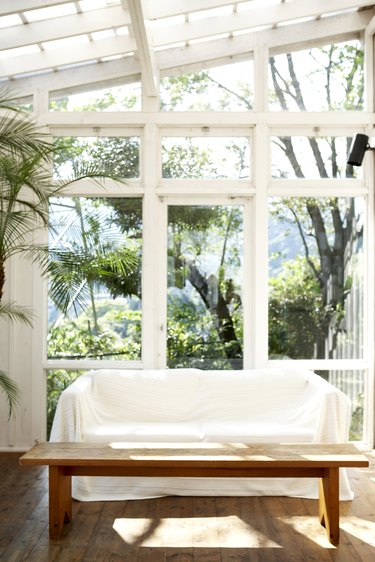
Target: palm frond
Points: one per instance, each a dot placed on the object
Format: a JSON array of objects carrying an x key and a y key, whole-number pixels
[
  {"x": 11, "y": 390},
  {"x": 14, "y": 312},
  {"x": 89, "y": 170}
]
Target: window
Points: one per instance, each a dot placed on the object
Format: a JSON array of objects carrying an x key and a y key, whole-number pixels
[
  {"x": 126, "y": 97},
  {"x": 237, "y": 240},
  {"x": 311, "y": 157},
  {"x": 316, "y": 278},
  {"x": 220, "y": 88},
  {"x": 328, "y": 78},
  {"x": 116, "y": 154},
  {"x": 205, "y": 276},
  {"x": 95, "y": 278},
  {"x": 205, "y": 157}
]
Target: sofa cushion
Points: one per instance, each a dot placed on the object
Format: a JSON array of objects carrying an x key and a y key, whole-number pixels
[
  {"x": 260, "y": 395},
  {"x": 147, "y": 396}
]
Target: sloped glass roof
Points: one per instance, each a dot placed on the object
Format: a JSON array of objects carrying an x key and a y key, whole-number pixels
[{"x": 39, "y": 36}]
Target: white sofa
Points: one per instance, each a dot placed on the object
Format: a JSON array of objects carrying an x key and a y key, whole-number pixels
[{"x": 184, "y": 405}]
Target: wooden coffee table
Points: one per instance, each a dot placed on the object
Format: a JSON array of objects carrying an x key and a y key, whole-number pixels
[{"x": 194, "y": 460}]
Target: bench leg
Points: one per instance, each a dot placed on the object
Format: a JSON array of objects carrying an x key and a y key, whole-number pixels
[
  {"x": 60, "y": 500},
  {"x": 329, "y": 511}
]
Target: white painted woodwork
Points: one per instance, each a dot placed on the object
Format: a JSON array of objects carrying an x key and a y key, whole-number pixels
[
  {"x": 61, "y": 56},
  {"x": 64, "y": 26},
  {"x": 11, "y": 6},
  {"x": 144, "y": 48}
]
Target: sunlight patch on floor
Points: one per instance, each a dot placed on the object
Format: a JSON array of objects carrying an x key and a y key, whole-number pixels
[
  {"x": 362, "y": 529},
  {"x": 309, "y": 527},
  {"x": 202, "y": 532}
]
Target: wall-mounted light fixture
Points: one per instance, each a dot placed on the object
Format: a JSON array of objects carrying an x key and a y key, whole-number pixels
[{"x": 357, "y": 149}]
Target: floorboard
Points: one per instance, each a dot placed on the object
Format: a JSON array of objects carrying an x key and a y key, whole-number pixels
[{"x": 181, "y": 529}]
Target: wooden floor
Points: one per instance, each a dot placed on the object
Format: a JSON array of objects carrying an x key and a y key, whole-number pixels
[{"x": 174, "y": 529}]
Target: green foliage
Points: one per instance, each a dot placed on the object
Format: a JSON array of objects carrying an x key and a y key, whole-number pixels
[
  {"x": 11, "y": 390},
  {"x": 294, "y": 302},
  {"x": 187, "y": 162},
  {"x": 192, "y": 338},
  {"x": 118, "y": 334},
  {"x": 356, "y": 427},
  {"x": 117, "y": 156}
]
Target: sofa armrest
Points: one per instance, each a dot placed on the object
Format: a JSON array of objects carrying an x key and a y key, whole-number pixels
[
  {"x": 334, "y": 416},
  {"x": 72, "y": 407}
]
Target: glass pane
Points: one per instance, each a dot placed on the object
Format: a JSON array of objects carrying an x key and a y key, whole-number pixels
[
  {"x": 328, "y": 78},
  {"x": 316, "y": 278},
  {"x": 205, "y": 276},
  {"x": 228, "y": 87},
  {"x": 351, "y": 383},
  {"x": 311, "y": 157},
  {"x": 206, "y": 157},
  {"x": 117, "y": 155},
  {"x": 94, "y": 306},
  {"x": 118, "y": 98}
]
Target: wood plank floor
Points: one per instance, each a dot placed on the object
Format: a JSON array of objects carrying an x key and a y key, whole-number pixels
[{"x": 176, "y": 529}]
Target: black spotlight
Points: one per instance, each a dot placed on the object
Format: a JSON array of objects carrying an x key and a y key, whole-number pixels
[{"x": 357, "y": 149}]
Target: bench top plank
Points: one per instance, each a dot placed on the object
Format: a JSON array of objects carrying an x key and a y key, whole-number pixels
[{"x": 195, "y": 454}]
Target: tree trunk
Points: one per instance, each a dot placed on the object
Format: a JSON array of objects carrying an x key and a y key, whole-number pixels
[{"x": 211, "y": 294}]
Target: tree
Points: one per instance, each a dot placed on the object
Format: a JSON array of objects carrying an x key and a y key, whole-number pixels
[
  {"x": 194, "y": 231},
  {"x": 331, "y": 224}
]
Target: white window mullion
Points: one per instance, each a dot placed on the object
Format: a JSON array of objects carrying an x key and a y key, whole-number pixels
[
  {"x": 150, "y": 253},
  {"x": 259, "y": 315},
  {"x": 261, "y": 54}
]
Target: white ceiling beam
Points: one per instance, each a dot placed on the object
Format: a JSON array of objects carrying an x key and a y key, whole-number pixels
[
  {"x": 11, "y": 6},
  {"x": 65, "y": 26},
  {"x": 257, "y": 17},
  {"x": 76, "y": 80},
  {"x": 169, "y": 8},
  {"x": 144, "y": 48},
  {"x": 278, "y": 40},
  {"x": 65, "y": 56}
]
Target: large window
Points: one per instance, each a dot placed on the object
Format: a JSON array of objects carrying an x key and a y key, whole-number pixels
[
  {"x": 237, "y": 239},
  {"x": 95, "y": 278},
  {"x": 316, "y": 278},
  {"x": 205, "y": 276}
]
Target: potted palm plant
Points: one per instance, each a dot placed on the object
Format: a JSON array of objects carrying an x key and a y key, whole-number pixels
[{"x": 26, "y": 185}]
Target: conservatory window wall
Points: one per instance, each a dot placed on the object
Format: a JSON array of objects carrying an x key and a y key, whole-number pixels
[{"x": 252, "y": 206}]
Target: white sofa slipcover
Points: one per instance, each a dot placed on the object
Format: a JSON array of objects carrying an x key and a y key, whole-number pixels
[{"x": 185, "y": 405}]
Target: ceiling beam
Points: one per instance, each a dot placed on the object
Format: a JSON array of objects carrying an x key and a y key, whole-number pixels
[
  {"x": 257, "y": 17},
  {"x": 278, "y": 40},
  {"x": 64, "y": 26},
  {"x": 169, "y": 8},
  {"x": 144, "y": 48},
  {"x": 75, "y": 54},
  {"x": 12, "y": 6}
]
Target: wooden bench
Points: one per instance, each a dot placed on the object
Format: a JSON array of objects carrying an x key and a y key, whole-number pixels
[{"x": 193, "y": 460}]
